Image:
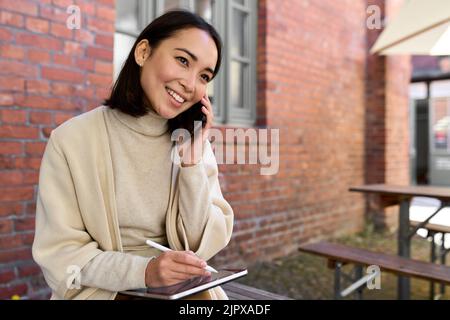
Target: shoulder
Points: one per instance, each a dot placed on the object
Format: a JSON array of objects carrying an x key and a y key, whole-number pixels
[
  {"x": 81, "y": 122},
  {"x": 83, "y": 127}
]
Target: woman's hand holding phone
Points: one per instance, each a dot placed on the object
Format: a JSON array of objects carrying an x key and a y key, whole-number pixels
[{"x": 191, "y": 153}]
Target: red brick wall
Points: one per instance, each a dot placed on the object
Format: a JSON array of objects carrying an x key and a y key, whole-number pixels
[
  {"x": 375, "y": 132},
  {"x": 387, "y": 121},
  {"x": 48, "y": 73},
  {"x": 311, "y": 77},
  {"x": 398, "y": 72}
]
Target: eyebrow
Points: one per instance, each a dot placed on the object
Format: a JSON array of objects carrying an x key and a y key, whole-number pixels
[{"x": 194, "y": 57}]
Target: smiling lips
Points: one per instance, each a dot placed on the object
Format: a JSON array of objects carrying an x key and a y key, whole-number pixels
[{"x": 175, "y": 96}]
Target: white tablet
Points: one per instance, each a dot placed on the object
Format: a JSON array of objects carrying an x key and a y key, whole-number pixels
[{"x": 188, "y": 287}]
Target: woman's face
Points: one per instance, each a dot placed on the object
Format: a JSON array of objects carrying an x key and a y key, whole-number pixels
[{"x": 175, "y": 74}]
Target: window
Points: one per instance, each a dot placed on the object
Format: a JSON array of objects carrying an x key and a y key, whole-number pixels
[
  {"x": 440, "y": 116},
  {"x": 241, "y": 61},
  {"x": 132, "y": 17},
  {"x": 233, "y": 91}
]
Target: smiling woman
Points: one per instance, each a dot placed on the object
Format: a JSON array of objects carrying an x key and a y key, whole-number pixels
[
  {"x": 178, "y": 39},
  {"x": 174, "y": 76},
  {"x": 108, "y": 182}
]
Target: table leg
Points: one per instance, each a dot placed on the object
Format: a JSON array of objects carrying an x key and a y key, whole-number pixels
[{"x": 404, "y": 245}]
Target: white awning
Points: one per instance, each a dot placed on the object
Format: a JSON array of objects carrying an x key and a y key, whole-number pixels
[{"x": 422, "y": 27}]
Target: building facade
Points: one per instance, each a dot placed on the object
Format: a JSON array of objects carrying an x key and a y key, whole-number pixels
[{"x": 299, "y": 66}]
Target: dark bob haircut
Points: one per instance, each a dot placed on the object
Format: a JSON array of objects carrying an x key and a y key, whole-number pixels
[{"x": 127, "y": 94}]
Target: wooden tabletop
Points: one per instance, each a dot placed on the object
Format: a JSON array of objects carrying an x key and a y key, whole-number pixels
[{"x": 442, "y": 193}]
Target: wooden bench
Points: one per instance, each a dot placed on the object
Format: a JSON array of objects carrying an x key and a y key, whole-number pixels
[
  {"x": 433, "y": 230},
  {"x": 437, "y": 228},
  {"x": 435, "y": 254},
  {"x": 238, "y": 291},
  {"x": 340, "y": 254}
]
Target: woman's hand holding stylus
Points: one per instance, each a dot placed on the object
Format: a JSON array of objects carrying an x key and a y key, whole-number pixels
[{"x": 173, "y": 267}]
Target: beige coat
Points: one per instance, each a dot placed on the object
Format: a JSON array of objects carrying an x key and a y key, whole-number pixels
[{"x": 76, "y": 216}]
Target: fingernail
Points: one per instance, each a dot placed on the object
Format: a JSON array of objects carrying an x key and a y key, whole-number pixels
[{"x": 203, "y": 264}]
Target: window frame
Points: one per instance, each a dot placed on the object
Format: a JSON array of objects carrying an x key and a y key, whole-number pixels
[{"x": 247, "y": 114}]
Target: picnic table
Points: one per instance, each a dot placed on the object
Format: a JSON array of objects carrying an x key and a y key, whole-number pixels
[{"x": 402, "y": 195}]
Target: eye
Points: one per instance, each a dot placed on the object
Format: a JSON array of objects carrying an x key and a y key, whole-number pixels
[
  {"x": 183, "y": 60},
  {"x": 206, "y": 77}
]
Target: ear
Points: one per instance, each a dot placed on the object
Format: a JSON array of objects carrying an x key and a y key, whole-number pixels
[{"x": 142, "y": 52}]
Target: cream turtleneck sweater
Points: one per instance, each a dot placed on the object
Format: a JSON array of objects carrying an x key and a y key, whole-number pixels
[{"x": 141, "y": 156}]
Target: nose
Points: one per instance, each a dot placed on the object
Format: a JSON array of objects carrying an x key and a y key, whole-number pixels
[{"x": 188, "y": 83}]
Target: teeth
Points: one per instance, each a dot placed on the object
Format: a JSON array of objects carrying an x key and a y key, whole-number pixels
[{"x": 175, "y": 95}]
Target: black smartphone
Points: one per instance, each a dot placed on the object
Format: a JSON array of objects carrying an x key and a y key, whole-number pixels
[{"x": 186, "y": 119}]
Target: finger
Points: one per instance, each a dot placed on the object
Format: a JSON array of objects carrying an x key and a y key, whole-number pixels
[
  {"x": 209, "y": 114},
  {"x": 179, "y": 276},
  {"x": 184, "y": 258},
  {"x": 175, "y": 278},
  {"x": 189, "y": 271},
  {"x": 209, "y": 110},
  {"x": 192, "y": 253},
  {"x": 208, "y": 124},
  {"x": 207, "y": 103},
  {"x": 207, "y": 99},
  {"x": 188, "y": 268},
  {"x": 209, "y": 117}
]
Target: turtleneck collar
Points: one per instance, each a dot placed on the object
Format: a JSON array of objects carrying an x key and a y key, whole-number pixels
[{"x": 151, "y": 124}]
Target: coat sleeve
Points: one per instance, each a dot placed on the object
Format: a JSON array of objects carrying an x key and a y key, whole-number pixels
[
  {"x": 110, "y": 271},
  {"x": 205, "y": 218},
  {"x": 61, "y": 245}
]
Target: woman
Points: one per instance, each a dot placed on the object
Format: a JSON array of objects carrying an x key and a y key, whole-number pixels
[{"x": 109, "y": 179}]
